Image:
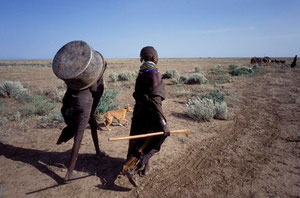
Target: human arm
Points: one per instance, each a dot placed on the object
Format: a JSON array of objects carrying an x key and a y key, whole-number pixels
[{"x": 157, "y": 95}]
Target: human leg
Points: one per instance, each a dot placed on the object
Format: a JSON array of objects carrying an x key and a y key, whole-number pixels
[
  {"x": 74, "y": 154},
  {"x": 93, "y": 125}
]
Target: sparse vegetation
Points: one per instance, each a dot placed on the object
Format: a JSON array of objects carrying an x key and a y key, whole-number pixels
[
  {"x": 235, "y": 71},
  {"x": 205, "y": 109},
  {"x": 12, "y": 89},
  {"x": 113, "y": 77},
  {"x": 49, "y": 64},
  {"x": 219, "y": 70},
  {"x": 253, "y": 131},
  {"x": 222, "y": 79},
  {"x": 126, "y": 76},
  {"x": 219, "y": 75},
  {"x": 39, "y": 106},
  {"x": 196, "y": 79},
  {"x": 53, "y": 94},
  {"x": 51, "y": 120},
  {"x": 183, "y": 79},
  {"x": 200, "y": 109},
  {"x": 221, "y": 110},
  {"x": 215, "y": 95},
  {"x": 171, "y": 73},
  {"x": 197, "y": 69},
  {"x": 35, "y": 104},
  {"x": 107, "y": 101}
]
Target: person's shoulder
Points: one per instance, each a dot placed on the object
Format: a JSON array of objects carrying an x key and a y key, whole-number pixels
[{"x": 156, "y": 74}]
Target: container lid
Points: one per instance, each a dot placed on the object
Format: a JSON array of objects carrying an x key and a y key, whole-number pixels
[{"x": 72, "y": 59}]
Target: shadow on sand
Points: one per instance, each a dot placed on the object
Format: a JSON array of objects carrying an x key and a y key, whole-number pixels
[{"x": 106, "y": 168}]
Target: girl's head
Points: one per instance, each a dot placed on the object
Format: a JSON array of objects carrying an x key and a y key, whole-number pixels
[{"x": 148, "y": 53}]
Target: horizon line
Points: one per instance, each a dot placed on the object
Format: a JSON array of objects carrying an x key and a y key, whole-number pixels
[{"x": 160, "y": 57}]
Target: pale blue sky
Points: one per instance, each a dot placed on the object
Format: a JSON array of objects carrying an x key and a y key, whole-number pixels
[{"x": 36, "y": 29}]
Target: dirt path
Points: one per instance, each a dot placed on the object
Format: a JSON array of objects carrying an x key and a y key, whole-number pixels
[{"x": 254, "y": 154}]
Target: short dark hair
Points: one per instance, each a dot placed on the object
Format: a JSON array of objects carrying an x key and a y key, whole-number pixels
[{"x": 148, "y": 53}]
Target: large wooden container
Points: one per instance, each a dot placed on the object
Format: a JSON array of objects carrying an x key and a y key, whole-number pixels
[{"x": 78, "y": 65}]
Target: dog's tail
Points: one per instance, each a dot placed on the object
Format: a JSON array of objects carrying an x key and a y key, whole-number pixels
[{"x": 100, "y": 116}]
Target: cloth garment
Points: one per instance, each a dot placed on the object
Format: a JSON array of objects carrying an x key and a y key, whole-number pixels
[
  {"x": 149, "y": 94},
  {"x": 79, "y": 109}
]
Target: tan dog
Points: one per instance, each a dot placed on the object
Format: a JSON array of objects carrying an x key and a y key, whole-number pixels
[{"x": 117, "y": 114}]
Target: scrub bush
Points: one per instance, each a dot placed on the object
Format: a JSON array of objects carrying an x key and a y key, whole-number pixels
[
  {"x": 171, "y": 73},
  {"x": 205, "y": 109},
  {"x": 107, "y": 102},
  {"x": 197, "y": 69},
  {"x": 219, "y": 70},
  {"x": 235, "y": 71},
  {"x": 196, "y": 79},
  {"x": 200, "y": 109},
  {"x": 113, "y": 77},
  {"x": 221, "y": 110},
  {"x": 12, "y": 89},
  {"x": 126, "y": 76},
  {"x": 39, "y": 106}
]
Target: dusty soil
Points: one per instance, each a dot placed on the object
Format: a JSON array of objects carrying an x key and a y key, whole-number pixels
[{"x": 255, "y": 153}]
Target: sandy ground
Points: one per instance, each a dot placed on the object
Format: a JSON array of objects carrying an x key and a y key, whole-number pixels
[{"x": 255, "y": 153}]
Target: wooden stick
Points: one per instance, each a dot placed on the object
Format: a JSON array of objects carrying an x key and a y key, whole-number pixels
[{"x": 185, "y": 131}]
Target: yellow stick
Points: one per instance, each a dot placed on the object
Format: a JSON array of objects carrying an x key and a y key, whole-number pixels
[{"x": 185, "y": 131}]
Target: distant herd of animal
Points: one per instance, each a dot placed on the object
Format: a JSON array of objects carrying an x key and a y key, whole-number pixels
[{"x": 267, "y": 60}]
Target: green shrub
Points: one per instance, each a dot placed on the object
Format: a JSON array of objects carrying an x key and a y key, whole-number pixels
[
  {"x": 221, "y": 110},
  {"x": 200, "y": 109},
  {"x": 126, "y": 76},
  {"x": 205, "y": 109},
  {"x": 215, "y": 95},
  {"x": 113, "y": 77},
  {"x": 183, "y": 79},
  {"x": 51, "y": 119},
  {"x": 188, "y": 94},
  {"x": 107, "y": 101},
  {"x": 40, "y": 106},
  {"x": 219, "y": 70},
  {"x": 53, "y": 94},
  {"x": 24, "y": 97},
  {"x": 43, "y": 106},
  {"x": 196, "y": 79},
  {"x": 235, "y": 71},
  {"x": 171, "y": 73},
  {"x": 222, "y": 79},
  {"x": 12, "y": 89},
  {"x": 197, "y": 69},
  {"x": 57, "y": 116},
  {"x": 256, "y": 68},
  {"x": 127, "y": 85}
]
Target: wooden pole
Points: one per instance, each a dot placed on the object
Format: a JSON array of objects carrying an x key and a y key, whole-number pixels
[{"x": 185, "y": 131}]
